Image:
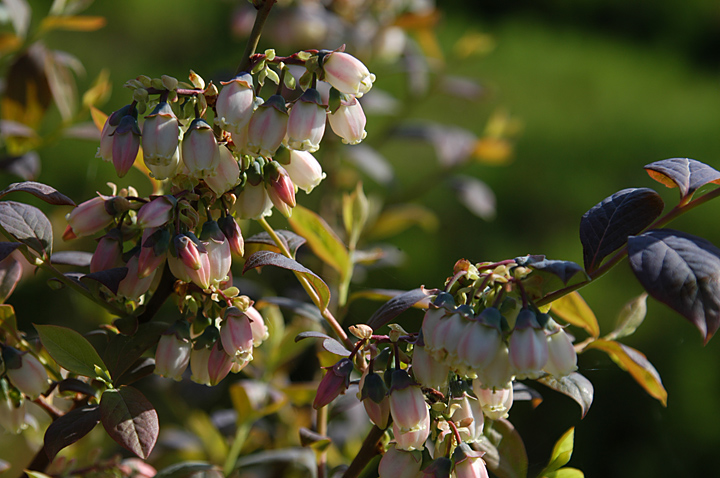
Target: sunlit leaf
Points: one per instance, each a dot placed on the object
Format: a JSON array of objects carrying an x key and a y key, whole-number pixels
[
  {"x": 398, "y": 218},
  {"x": 504, "y": 449},
  {"x": 636, "y": 364},
  {"x": 565, "y": 473},
  {"x": 28, "y": 225},
  {"x": 264, "y": 242},
  {"x": 397, "y": 305},
  {"x": 77, "y": 23},
  {"x": 561, "y": 454},
  {"x": 10, "y": 274},
  {"x": 630, "y": 318},
  {"x": 42, "y": 191},
  {"x": 573, "y": 309},
  {"x": 574, "y": 386},
  {"x": 130, "y": 419},
  {"x": 688, "y": 175},
  {"x": 98, "y": 117},
  {"x": 607, "y": 225},
  {"x": 69, "y": 428},
  {"x": 681, "y": 271},
  {"x": 328, "y": 343},
  {"x": 322, "y": 239},
  {"x": 71, "y": 351},
  {"x": 355, "y": 213},
  {"x": 99, "y": 91}
]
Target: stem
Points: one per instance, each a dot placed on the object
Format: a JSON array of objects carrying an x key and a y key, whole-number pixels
[
  {"x": 254, "y": 39},
  {"x": 241, "y": 435},
  {"x": 369, "y": 449},
  {"x": 322, "y": 419},
  {"x": 327, "y": 315}
]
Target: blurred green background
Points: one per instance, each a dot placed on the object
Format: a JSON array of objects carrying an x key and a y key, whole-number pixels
[{"x": 602, "y": 88}]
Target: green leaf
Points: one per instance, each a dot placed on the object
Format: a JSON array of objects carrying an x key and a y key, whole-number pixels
[
  {"x": 8, "y": 324},
  {"x": 27, "y": 224},
  {"x": 574, "y": 386},
  {"x": 130, "y": 419},
  {"x": 565, "y": 473},
  {"x": 561, "y": 453},
  {"x": 573, "y": 309},
  {"x": 504, "y": 449},
  {"x": 355, "y": 213},
  {"x": 398, "y": 218},
  {"x": 72, "y": 351},
  {"x": 630, "y": 318},
  {"x": 36, "y": 474},
  {"x": 321, "y": 239},
  {"x": 636, "y": 364}
]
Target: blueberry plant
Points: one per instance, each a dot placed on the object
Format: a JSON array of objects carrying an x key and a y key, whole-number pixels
[{"x": 222, "y": 156}]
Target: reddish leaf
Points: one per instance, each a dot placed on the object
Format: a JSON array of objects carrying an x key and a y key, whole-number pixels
[
  {"x": 47, "y": 193},
  {"x": 7, "y": 248},
  {"x": 686, "y": 174},
  {"x": 28, "y": 225},
  {"x": 397, "y": 305},
  {"x": 290, "y": 240},
  {"x": 574, "y": 386},
  {"x": 130, "y": 419},
  {"x": 72, "y": 258},
  {"x": 10, "y": 274},
  {"x": 69, "y": 428},
  {"x": 110, "y": 278}
]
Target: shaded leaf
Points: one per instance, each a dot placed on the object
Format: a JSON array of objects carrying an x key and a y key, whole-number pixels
[
  {"x": 188, "y": 469},
  {"x": 26, "y": 166},
  {"x": 71, "y": 351},
  {"x": 314, "y": 440},
  {"x": 561, "y": 454},
  {"x": 298, "y": 457},
  {"x": 69, "y": 428},
  {"x": 291, "y": 241},
  {"x": 321, "y": 239},
  {"x": 681, "y": 271},
  {"x": 573, "y": 309},
  {"x": 77, "y": 386},
  {"x": 301, "y": 308},
  {"x": 524, "y": 393},
  {"x": 268, "y": 258},
  {"x": 72, "y": 258},
  {"x": 564, "y": 270},
  {"x": 47, "y": 193},
  {"x": 328, "y": 343},
  {"x": 28, "y": 225},
  {"x": 688, "y": 175},
  {"x": 549, "y": 275},
  {"x": 398, "y": 218},
  {"x": 636, "y": 364},
  {"x": 8, "y": 323},
  {"x": 386, "y": 294},
  {"x": 110, "y": 278},
  {"x": 504, "y": 449},
  {"x": 130, "y": 419},
  {"x": 607, "y": 225},
  {"x": 476, "y": 196},
  {"x": 123, "y": 350},
  {"x": 7, "y": 248},
  {"x": 10, "y": 274},
  {"x": 397, "y": 305},
  {"x": 76, "y": 23},
  {"x": 574, "y": 386},
  {"x": 254, "y": 399},
  {"x": 630, "y": 318}
]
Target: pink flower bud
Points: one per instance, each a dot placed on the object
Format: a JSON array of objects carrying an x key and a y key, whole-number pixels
[
  {"x": 280, "y": 188},
  {"x": 132, "y": 286},
  {"x": 111, "y": 124},
  {"x": 235, "y": 103},
  {"x": 334, "y": 383},
  {"x": 348, "y": 122},
  {"x": 495, "y": 402},
  {"x": 306, "y": 124},
  {"x": 190, "y": 263},
  {"x": 125, "y": 144},
  {"x": 373, "y": 395},
  {"x": 155, "y": 243},
  {"x": 562, "y": 358},
  {"x": 157, "y": 212},
  {"x": 267, "y": 127},
  {"x": 199, "y": 359},
  {"x": 236, "y": 332},
  {"x": 173, "y": 352},
  {"x": 226, "y": 175},
  {"x": 413, "y": 439},
  {"x": 253, "y": 202},
  {"x": 259, "y": 329},
  {"x": 88, "y": 218},
  {"x": 219, "y": 364},
  {"x": 428, "y": 371},
  {"x": 25, "y": 372},
  {"x": 304, "y": 170},
  {"x": 480, "y": 341},
  {"x": 231, "y": 230},
  {"x": 407, "y": 402},
  {"x": 397, "y": 463},
  {"x": 200, "y": 152},
  {"x": 218, "y": 252},
  {"x": 346, "y": 73},
  {"x": 108, "y": 253},
  {"x": 528, "y": 346},
  {"x": 160, "y": 142}
]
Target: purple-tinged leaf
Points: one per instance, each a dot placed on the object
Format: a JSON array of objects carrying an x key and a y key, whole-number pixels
[
  {"x": 71, "y": 351},
  {"x": 328, "y": 343},
  {"x": 69, "y": 428},
  {"x": 310, "y": 334},
  {"x": 681, "y": 271},
  {"x": 190, "y": 469},
  {"x": 505, "y": 453},
  {"x": 297, "y": 307},
  {"x": 110, "y": 278},
  {"x": 636, "y": 364},
  {"x": 76, "y": 386},
  {"x": 26, "y": 166},
  {"x": 269, "y": 258},
  {"x": 476, "y": 196},
  {"x": 72, "y": 258},
  {"x": 524, "y": 393},
  {"x": 28, "y": 225},
  {"x": 549, "y": 275},
  {"x": 130, "y": 419},
  {"x": 141, "y": 368},
  {"x": 10, "y": 274},
  {"x": 290, "y": 240},
  {"x": 47, "y": 193},
  {"x": 688, "y": 175},
  {"x": 123, "y": 350},
  {"x": 564, "y": 270},
  {"x": 574, "y": 386},
  {"x": 7, "y": 248},
  {"x": 607, "y": 225},
  {"x": 397, "y": 305}
]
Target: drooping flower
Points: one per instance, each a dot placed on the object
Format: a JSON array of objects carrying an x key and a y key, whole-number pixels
[
  {"x": 88, "y": 218},
  {"x": 161, "y": 142},
  {"x": 302, "y": 167},
  {"x": 528, "y": 346},
  {"x": 267, "y": 127},
  {"x": 200, "y": 150},
  {"x": 348, "y": 121},
  {"x": 235, "y": 103},
  {"x": 335, "y": 381},
  {"x": 226, "y": 175},
  {"x": 173, "y": 351},
  {"x": 306, "y": 123},
  {"x": 346, "y": 73}
]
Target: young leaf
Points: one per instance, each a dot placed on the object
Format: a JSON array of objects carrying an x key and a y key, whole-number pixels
[
  {"x": 71, "y": 258},
  {"x": 574, "y": 386},
  {"x": 561, "y": 454},
  {"x": 683, "y": 272},
  {"x": 564, "y": 473},
  {"x": 28, "y": 225},
  {"x": 10, "y": 274},
  {"x": 69, "y": 428},
  {"x": 355, "y": 214},
  {"x": 71, "y": 351},
  {"x": 130, "y": 419},
  {"x": 607, "y": 225},
  {"x": 686, "y": 174},
  {"x": 504, "y": 449},
  {"x": 47, "y": 193},
  {"x": 573, "y": 309},
  {"x": 77, "y": 23},
  {"x": 636, "y": 364},
  {"x": 397, "y": 305},
  {"x": 7, "y": 248},
  {"x": 630, "y": 318},
  {"x": 321, "y": 239},
  {"x": 110, "y": 278},
  {"x": 268, "y": 258}
]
